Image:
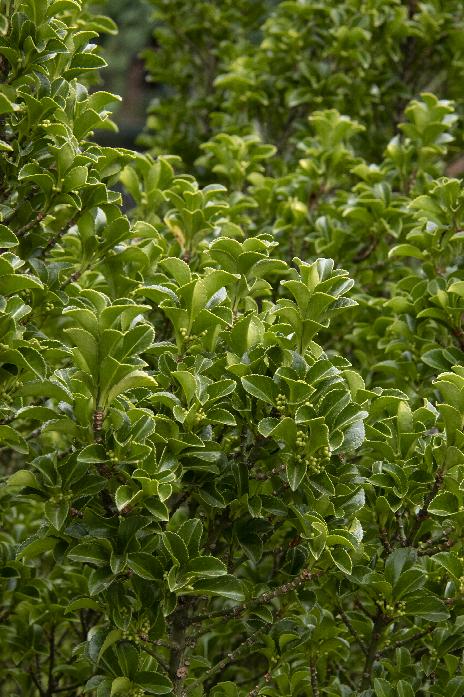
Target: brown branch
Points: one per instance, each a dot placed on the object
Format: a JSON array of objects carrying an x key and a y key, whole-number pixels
[
  {"x": 423, "y": 513},
  {"x": 57, "y": 237},
  {"x": 36, "y": 683},
  {"x": 73, "y": 278},
  {"x": 157, "y": 658},
  {"x": 402, "y": 534},
  {"x": 51, "y": 663},
  {"x": 352, "y": 630},
  {"x": 408, "y": 640},
  {"x": 263, "y": 599},
  {"x": 230, "y": 658},
  {"x": 379, "y": 623},
  {"x": 314, "y": 678},
  {"x": 30, "y": 225},
  {"x": 264, "y": 476},
  {"x": 69, "y": 688},
  {"x": 366, "y": 251}
]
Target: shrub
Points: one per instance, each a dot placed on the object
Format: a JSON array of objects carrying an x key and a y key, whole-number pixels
[{"x": 230, "y": 466}]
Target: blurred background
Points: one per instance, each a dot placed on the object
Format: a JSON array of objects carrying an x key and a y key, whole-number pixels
[{"x": 125, "y": 74}]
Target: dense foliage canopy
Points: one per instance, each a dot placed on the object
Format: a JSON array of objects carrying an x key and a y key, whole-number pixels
[{"x": 232, "y": 366}]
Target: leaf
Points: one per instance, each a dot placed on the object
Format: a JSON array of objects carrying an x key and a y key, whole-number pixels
[
  {"x": 145, "y": 565},
  {"x": 89, "y": 552},
  {"x": 56, "y": 513},
  {"x": 6, "y": 107},
  {"x": 427, "y": 606},
  {"x": 406, "y": 250},
  {"x": 226, "y": 587},
  {"x": 13, "y": 439},
  {"x": 404, "y": 689},
  {"x": 176, "y": 547},
  {"x": 111, "y": 638},
  {"x": 206, "y": 567},
  {"x": 444, "y": 504},
  {"x": 449, "y": 561},
  {"x": 295, "y": 473},
  {"x": 125, "y": 496},
  {"x": 23, "y": 478},
  {"x": 120, "y": 686},
  {"x": 261, "y": 387},
  {"x": 7, "y": 238},
  {"x": 383, "y": 688},
  {"x": 93, "y": 454},
  {"x": 341, "y": 559},
  {"x": 153, "y": 683},
  {"x": 137, "y": 378}
]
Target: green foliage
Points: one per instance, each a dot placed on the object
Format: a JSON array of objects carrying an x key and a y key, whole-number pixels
[
  {"x": 231, "y": 467},
  {"x": 261, "y": 67}
]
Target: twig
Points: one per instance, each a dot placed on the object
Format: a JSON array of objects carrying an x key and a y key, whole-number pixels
[
  {"x": 36, "y": 683},
  {"x": 366, "y": 251},
  {"x": 256, "y": 690},
  {"x": 51, "y": 663},
  {"x": 411, "y": 639},
  {"x": 399, "y": 518},
  {"x": 353, "y": 631},
  {"x": 57, "y": 237},
  {"x": 28, "y": 226},
  {"x": 230, "y": 658},
  {"x": 424, "y": 511},
  {"x": 379, "y": 623},
  {"x": 157, "y": 658},
  {"x": 73, "y": 278},
  {"x": 69, "y": 688},
  {"x": 385, "y": 541},
  {"x": 263, "y": 476},
  {"x": 314, "y": 678},
  {"x": 263, "y": 599}
]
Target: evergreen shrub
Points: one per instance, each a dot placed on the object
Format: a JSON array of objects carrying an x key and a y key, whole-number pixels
[{"x": 231, "y": 437}]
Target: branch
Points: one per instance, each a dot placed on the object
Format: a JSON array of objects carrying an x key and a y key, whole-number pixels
[
  {"x": 399, "y": 518},
  {"x": 263, "y": 599},
  {"x": 424, "y": 511},
  {"x": 51, "y": 663},
  {"x": 379, "y": 623},
  {"x": 157, "y": 658},
  {"x": 411, "y": 639},
  {"x": 57, "y": 237},
  {"x": 28, "y": 226},
  {"x": 366, "y": 251},
  {"x": 314, "y": 678},
  {"x": 256, "y": 690},
  {"x": 230, "y": 658},
  {"x": 353, "y": 631},
  {"x": 69, "y": 688},
  {"x": 36, "y": 683}
]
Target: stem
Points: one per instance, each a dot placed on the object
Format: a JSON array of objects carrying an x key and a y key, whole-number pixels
[
  {"x": 51, "y": 663},
  {"x": 353, "y": 631},
  {"x": 230, "y": 658},
  {"x": 31, "y": 224},
  {"x": 411, "y": 639},
  {"x": 399, "y": 518},
  {"x": 379, "y": 623},
  {"x": 36, "y": 683},
  {"x": 424, "y": 511},
  {"x": 157, "y": 658},
  {"x": 177, "y": 671},
  {"x": 314, "y": 678},
  {"x": 57, "y": 237},
  {"x": 70, "y": 688},
  {"x": 263, "y": 599}
]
